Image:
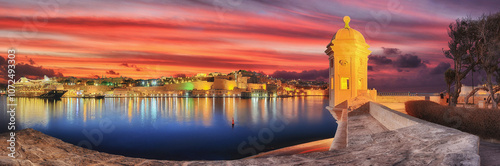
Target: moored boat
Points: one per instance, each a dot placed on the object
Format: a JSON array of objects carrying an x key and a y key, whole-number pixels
[
  {"x": 93, "y": 96},
  {"x": 55, "y": 94},
  {"x": 43, "y": 88}
]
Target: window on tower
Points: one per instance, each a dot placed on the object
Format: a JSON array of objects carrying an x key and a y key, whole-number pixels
[{"x": 344, "y": 83}]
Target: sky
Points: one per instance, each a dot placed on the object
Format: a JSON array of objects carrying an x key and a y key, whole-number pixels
[{"x": 282, "y": 38}]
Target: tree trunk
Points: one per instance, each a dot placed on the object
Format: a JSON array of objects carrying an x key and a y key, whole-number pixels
[
  {"x": 474, "y": 91},
  {"x": 456, "y": 92},
  {"x": 454, "y": 96},
  {"x": 449, "y": 96},
  {"x": 449, "y": 89},
  {"x": 494, "y": 104}
]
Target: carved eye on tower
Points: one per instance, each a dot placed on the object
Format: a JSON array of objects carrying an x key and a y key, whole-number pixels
[{"x": 343, "y": 62}]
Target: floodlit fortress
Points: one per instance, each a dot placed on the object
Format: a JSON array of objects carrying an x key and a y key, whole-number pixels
[{"x": 235, "y": 84}]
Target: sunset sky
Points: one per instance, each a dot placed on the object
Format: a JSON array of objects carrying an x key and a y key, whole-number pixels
[{"x": 150, "y": 39}]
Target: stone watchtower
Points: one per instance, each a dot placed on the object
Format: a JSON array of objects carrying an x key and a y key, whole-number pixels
[{"x": 348, "y": 55}]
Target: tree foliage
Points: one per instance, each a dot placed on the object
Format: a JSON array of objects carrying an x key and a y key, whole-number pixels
[
  {"x": 474, "y": 44},
  {"x": 463, "y": 51},
  {"x": 489, "y": 50}
]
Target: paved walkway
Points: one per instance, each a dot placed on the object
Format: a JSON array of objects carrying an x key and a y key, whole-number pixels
[
  {"x": 490, "y": 153},
  {"x": 400, "y": 107}
]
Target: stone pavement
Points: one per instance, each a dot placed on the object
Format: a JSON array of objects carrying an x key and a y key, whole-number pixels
[
  {"x": 490, "y": 153},
  {"x": 420, "y": 144}
]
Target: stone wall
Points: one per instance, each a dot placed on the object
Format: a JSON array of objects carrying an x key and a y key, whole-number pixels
[
  {"x": 398, "y": 99},
  {"x": 391, "y": 119},
  {"x": 377, "y": 135},
  {"x": 403, "y": 99}
]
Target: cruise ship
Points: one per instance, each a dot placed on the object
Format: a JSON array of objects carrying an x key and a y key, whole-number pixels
[{"x": 43, "y": 88}]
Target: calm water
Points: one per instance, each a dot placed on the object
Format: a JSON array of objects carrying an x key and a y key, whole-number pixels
[{"x": 178, "y": 128}]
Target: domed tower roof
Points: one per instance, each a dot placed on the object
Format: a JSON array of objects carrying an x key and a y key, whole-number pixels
[
  {"x": 347, "y": 38},
  {"x": 347, "y": 33}
]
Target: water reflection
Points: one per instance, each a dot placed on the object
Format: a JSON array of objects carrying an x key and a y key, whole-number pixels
[
  {"x": 178, "y": 124},
  {"x": 186, "y": 111}
]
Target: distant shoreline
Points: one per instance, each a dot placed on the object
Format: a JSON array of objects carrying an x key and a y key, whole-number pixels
[{"x": 183, "y": 97}]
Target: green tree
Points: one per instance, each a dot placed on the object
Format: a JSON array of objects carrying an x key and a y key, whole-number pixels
[
  {"x": 90, "y": 82},
  {"x": 127, "y": 81},
  {"x": 104, "y": 83}
]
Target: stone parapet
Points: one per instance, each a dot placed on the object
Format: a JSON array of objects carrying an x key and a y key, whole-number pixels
[{"x": 376, "y": 135}]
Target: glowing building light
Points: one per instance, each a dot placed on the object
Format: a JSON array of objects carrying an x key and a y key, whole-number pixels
[{"x": 344, "y": 83}]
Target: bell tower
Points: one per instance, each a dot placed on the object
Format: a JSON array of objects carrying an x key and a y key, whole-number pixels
[{"x": 348, "y": 57}]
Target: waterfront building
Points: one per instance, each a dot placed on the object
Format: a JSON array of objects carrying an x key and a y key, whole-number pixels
[
  {"x": 241, "y": 81},
  {"x": 259, "y": 93},
  {"x": 253, "y": 86},
  {"x": 223, "y": 83},
  {"x": 121, "y": 92}
]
